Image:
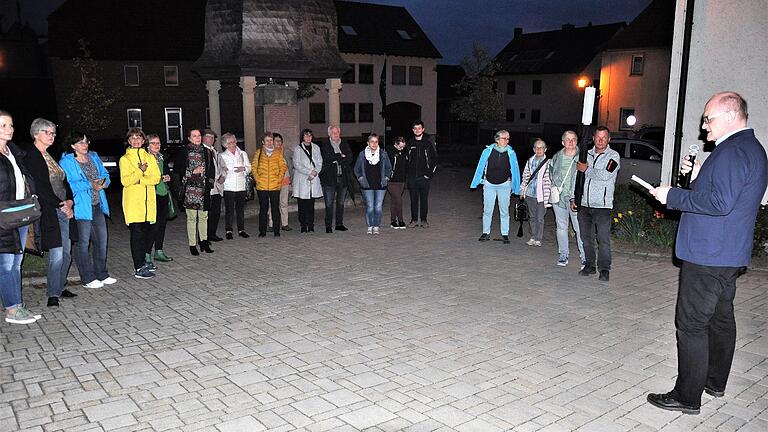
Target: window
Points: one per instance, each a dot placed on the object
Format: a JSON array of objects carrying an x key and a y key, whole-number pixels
[
  {"x": 365, "y": 112},
  {"x": 349, "y": 76},
  {"x": 627, "y": 118},
  {"x": 643, "y": 152},
  {"x": 317, "y": 113},
  {"x": 620, "y": 147},
  {"x": 131, "y": 73},
  {"x": 398, "y": 75},
  {"x": 365, "y": 74},
  {"x": 404, "y": 35},
  {"x": 414, "y": 75},
  {"x": 171, "y": 75},
  {"x": 510, "y": 87},
  {"x": 347, "y": 113},
  {"x": 134, "y": 117},
  {"x": 536, "y": 87},
  {"x": 637, "y": 64},
  {"x": 522, "y": 114},
  {"x": 535, "y": 116},
  {"x": 173, "y": 126},
  {"x": 510, "y": 115},
  {"x": 348, "y": 30}
]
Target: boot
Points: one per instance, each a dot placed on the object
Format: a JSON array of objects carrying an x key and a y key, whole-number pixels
[
  {"x": 147, "y": 258},
  {"x": 161, "y": 256},
  {"x": 193, "y": 250},
  {"x": 205, "y": 246}
]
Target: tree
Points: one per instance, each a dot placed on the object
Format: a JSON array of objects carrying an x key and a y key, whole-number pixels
[
  {"x": 479, "y": 101},
  {"x": 89, "y": 102}
]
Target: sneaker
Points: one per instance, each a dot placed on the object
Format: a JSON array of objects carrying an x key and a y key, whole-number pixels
[
  {"x": 401, "y": 225},
  {"x": 143, "y": 273},
  {"x": 505, "y": 239},
  {"x": 537, "y": 243},
  {"x": 586, "y": 271},
  {"x": 341, "y": 228},
  {"x": 605, "y": 275},
  {"x": 109, "y": 280},
  {"x": 485, "y": 237},
  {"x": 370, "y": 230},
  {"x": 376, "y": 230},
  {"x": 286, "y": 228},
  {"x": 412, "y": 224},
  {"x": 243, "y": 234},
  {"x": 425, "y": 224},
  {"x": 531, "y": 242},
  {"x": 20, "y": 316},
  {"x": 562, "y": 261},
  {"x": 583, "y": 264},
  {"x": 150, "y": 266},
  {"x": 94, "y": 284},
  {"x": 394, "y": 225}
]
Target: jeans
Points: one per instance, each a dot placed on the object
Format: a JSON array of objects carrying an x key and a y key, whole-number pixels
[
  {"x": 92, "y": 266},
  {"x": 234, "y": 206},
  {"x": 396, "y": 200},
  {"x": 536, "y": 211},
  {"x": 339, "y": 194},
  {"x": 419, "y": 190},
  {"x": 562, "y": 216},
  {"x": 161, "y": 219},
  {"x": 374, "y": 200},
  {"x": 197, "y": 225},
  {"x": 598, "y": 220},
  {"x": 59, "y": 259},
  {"x": 706, "y": 329},
  {"x": 306, "y": 212},
  {"x": 269, "y": 200},
  {"x": 10, "y": 274},
  {"x": 141, "y": 242},
  {"x": 214, "y": 214},
  {"x": 491, "y": 193}
]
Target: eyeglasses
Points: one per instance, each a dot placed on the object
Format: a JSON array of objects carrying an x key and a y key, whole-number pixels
[
  {"x": 48, "y": 133},
  {"x": 83, "y": 142},
  {"x": 708, "y": 119},
  {"x": 539, "y": 148}
]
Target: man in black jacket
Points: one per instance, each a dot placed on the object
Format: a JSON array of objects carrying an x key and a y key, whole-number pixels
[
  {"x": 337, "y": 164},
  {"x": 422, "y": 162}
]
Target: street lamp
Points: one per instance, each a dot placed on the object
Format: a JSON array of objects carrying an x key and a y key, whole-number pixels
[{"x": 582, "y": 82}]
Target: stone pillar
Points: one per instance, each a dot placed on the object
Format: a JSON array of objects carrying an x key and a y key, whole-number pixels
[
  {"x": 248, "y": 84},
  {"x": 214, "y": 110},
  {"x": 333, "y": 85}
]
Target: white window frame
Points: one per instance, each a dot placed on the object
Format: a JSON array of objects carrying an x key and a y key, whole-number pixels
[
  {"x": 166, "y": 111},
  {"x": 128, "y": 112},
  {"x": 125, "y": 75},
  {"x": 165, "y": 75}
]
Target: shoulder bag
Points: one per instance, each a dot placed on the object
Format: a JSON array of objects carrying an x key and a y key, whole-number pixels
[
  {"x": 554, "y": 191},
  {"x": 17, "y": 213}
]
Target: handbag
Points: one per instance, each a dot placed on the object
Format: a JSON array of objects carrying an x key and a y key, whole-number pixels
[
  {"x": 521, "y": 211},
  {"x": 554, "y": 191},
  {"x": 172, "y": 212},
  {"x": 17, "y": 213}
]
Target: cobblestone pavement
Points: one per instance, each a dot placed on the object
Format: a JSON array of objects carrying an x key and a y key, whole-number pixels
[{"x": 414, "y": 330}]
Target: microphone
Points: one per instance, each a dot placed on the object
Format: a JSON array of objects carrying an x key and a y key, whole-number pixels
[{"x": 693, "y": 150}]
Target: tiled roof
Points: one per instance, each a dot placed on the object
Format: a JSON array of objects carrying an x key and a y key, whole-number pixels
[
  {"x": 568, "y": 50},
  {"x": 380, "y": 29},
  {"x": 652, "y": 28}
]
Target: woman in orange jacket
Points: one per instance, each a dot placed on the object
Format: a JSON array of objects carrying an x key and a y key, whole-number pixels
[{"x": 268, "y": 167}]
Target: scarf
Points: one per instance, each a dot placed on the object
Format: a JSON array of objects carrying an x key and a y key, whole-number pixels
[
  {"x": 372, "y": 156},
  {"x": 269, "y": 151}
]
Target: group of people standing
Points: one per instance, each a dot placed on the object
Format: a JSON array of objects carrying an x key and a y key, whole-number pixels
[{"x": 549, "y": 183}]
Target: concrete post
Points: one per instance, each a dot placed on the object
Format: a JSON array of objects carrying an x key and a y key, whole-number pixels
[
  {"x": 214, "y": 110},
  {"x": 333, "y": 85},
  {"x": 248, "y": 84}
]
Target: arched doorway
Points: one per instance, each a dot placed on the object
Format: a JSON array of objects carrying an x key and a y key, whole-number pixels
[{"x": 400, "y": 117}]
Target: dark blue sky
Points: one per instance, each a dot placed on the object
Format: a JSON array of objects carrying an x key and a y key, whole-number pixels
[{"x": 452, "y": 25}]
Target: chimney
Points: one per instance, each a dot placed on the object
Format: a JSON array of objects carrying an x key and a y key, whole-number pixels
[
  {"x": 568, "y": 26},
  {"x": 518, "y": 32}
]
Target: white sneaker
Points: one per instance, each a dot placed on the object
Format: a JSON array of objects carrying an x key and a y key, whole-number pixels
[
  {"x": 370, "y": 230},
  {"x": 376, "y": 230},
  {"x": 108, "y": 281},
  {"x": 531, "y": 242},
  {"x": 93, "y": 284},
  {"x": 537, "y": 243}
]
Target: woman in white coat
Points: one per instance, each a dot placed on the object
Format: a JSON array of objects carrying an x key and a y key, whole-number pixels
[
  {"x": 307, "y": 164},
  {"x": 238, "y": 166}
]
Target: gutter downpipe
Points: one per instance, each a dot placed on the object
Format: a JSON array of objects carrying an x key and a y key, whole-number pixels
[{"x": 689, "y": 9}]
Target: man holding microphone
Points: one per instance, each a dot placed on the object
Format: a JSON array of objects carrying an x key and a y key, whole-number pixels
[{"x": 714, "y": 242}]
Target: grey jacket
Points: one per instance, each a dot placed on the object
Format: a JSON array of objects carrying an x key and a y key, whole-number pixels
[{"x": 598, "y": 181}]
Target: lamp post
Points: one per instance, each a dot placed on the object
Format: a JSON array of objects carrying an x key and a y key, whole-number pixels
[{"x": 587, "y": 113}]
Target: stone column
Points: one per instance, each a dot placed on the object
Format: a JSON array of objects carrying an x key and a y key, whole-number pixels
[
  {"x": 248, "y": 84},
  {"x": 213, "y": 87},
  {"x": 333, "y": 85}
]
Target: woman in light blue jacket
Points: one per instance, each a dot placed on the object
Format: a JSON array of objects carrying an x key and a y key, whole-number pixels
[
  {"x": 88, "y": 178},
  {"x": 499, "y": 174}
]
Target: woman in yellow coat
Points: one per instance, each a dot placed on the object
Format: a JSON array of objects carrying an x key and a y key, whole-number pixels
[
  {"x": 268, "y": 168},
  {"x": 139, "y": 174}
]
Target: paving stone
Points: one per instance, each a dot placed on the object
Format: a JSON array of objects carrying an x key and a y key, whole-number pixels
[
  {"x": 110, "y": 409},
  {"x": 367, "y": 417},
  {"x": 247, "y": 423}
]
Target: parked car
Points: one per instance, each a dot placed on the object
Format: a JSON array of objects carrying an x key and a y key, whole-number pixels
[
  {"x": 110, "y": 151},
  {"x": 638, "y": 157},
  {"x": 655, "y": 134}
]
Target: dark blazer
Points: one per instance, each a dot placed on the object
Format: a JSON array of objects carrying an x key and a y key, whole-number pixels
[
  {"x": 719, "y": 212},
  {"x": 9, "y": 239},
  {"x": 50, "y": 235},
  {"x": 328, "y": 176}
]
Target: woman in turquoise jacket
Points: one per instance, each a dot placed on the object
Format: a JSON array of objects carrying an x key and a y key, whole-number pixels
[
  {"x": 88, "y": 178},
  {"x": 499, "y": 174}
]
